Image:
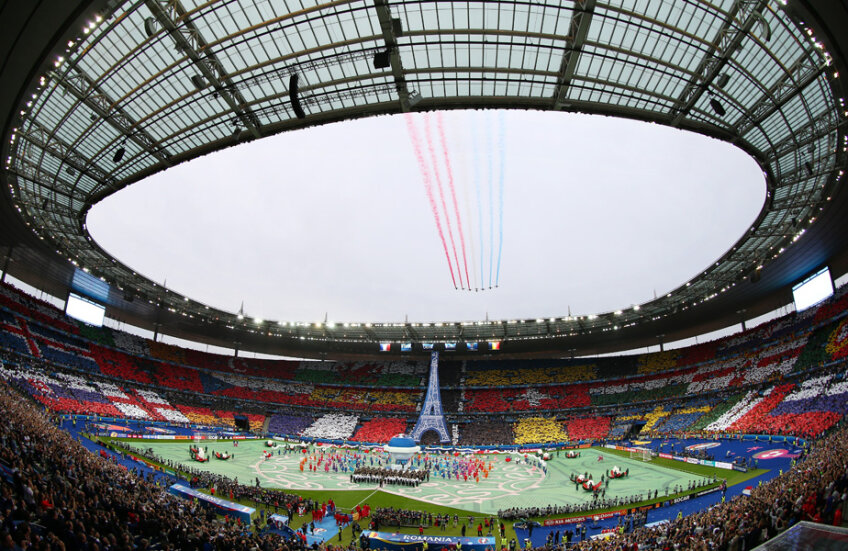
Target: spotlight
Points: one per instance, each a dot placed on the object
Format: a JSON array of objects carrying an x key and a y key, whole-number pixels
[
  {"x": 717, "y": 107},
  {"x": 809, "y": 167},
  {"x": 722, "y": 80},
  {"x": 198, "y": 81},
  {"x": 119, "y": 154}
]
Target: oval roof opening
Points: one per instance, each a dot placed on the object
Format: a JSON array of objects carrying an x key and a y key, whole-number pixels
[{"x": 459, "y": 215}]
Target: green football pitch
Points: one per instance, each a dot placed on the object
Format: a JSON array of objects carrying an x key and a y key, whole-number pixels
[{"x": 513, "y": 483}]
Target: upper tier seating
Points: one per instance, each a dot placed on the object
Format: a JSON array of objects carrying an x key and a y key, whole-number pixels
[{"x": 667, "y": 386}]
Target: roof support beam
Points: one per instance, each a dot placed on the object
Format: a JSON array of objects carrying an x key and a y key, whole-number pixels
[
  {"x": 827, "y": 122},
  {"x": 85, "y": 90},
  {"x": 50, "y": 182},
  {"x": 800, "y": 75},
  {"x": 390, "y": 34},
  {"x": 578, "y": 30},
  {"x": 729, "y": 38},
  {"x": 189, "y": 41},
  {"x": 37, "y": 135}
]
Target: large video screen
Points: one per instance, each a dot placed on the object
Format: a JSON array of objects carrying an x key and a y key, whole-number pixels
[
  {"x": 85, "y": 310},
  {"x": 812, "y": 290},
  {"x": 90, "y": 286}
]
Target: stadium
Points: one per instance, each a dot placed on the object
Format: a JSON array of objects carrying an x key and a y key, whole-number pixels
[{"x": 545, "y": 432}]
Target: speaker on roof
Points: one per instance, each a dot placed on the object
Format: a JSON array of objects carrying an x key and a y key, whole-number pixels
[
  {"x": 295, "y": 101},
  {"x": 382, "y": 60}
]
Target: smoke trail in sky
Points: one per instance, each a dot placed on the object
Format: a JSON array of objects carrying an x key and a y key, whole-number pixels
[
  {"x": 491, "y": 178},
  {"x": 475, "y": 128},
  {"x": 465, "y": 180},
  {"x": 441, "y": 128},
  {"x": 502, "y": 157},
  {"x": 431, "y": 148},
  {"x": 469, "y": 152},
  {"x": 428, "y": 185}
]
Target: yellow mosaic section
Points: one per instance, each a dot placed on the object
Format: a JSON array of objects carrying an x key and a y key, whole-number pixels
[
  {"x": 529, "y": 376},
  {"x": 539, "y": 430},
  {"x": 702, "y": 409},
  {"x": 653, "y": 417},
  {"x": 658, "y": 361}
]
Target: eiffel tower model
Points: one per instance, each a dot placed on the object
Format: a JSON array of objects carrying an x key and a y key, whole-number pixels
[{"x": 431, "y": 416}]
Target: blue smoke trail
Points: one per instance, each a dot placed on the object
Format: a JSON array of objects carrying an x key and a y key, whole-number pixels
[
  {"x": 476, "y": 149},
  {"x": 502, "y": 155}
]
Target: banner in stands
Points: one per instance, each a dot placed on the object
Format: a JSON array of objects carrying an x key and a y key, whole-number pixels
[
  {"x": 220, "y": 506},
  {"x": 577, "y": 520},
  {"x": 394, "y": 541},
  {"x": 692, "y": 496}
]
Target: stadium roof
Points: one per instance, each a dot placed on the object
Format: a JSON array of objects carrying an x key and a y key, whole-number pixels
[{"x": 98, "y": 95}]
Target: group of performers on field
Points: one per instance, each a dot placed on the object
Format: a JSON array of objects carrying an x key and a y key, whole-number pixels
[
  {"x": 588, "y": 483},
  {"x": 201, "y": 455},
  {"x": 438, "y": 465}
]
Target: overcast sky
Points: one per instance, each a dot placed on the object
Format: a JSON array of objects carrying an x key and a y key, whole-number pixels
[{"x": 597, "y": 214}]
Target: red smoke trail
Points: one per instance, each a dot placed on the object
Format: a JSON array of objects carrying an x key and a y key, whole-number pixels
[
  {"x": 441, "y": 128},
  {"x": 432, "y": 150},
  {"x": 428, "y": 185}
]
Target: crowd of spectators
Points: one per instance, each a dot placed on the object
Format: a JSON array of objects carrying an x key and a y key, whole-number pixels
[
  {"x": 482, "y": 432},
  {"x": 334, "y": 426},
  {"x": 599, "y": 501},
  {"x": 380, "y": 430},
  {"x": 815, "y": 489},
  {"x": 56, "y": 495}
]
